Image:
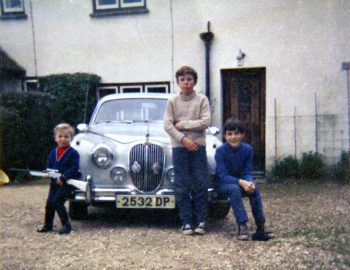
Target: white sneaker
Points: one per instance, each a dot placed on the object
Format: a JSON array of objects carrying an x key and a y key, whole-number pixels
[
  {"x": 187, "y": 229},
  {"x": 200, "y": 228}
]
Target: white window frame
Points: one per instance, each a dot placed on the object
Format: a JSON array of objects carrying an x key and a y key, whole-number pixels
[
  {"x": 139, "y": 87},
  {"x": 140, "y": 3},
  {"x": 119, "y": 7},
  {"x": 26, "y": 81},
  {"x": 110, "y": 6},
  {"x": 7, "y": 9},
  {"x": 157, "y": 86},
  {"x": 108, "y": 88}
]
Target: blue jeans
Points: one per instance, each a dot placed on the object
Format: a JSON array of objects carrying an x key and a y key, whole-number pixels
[
  {"x": 235, "y": 193},
  {"x": 191, "y": 183}
]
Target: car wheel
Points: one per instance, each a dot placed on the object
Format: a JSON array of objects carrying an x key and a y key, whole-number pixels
[
  {"x": 78, "y": 210},
  {"x": 218, "y": 210}
]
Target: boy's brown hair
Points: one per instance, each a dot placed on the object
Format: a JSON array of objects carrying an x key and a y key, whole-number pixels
[
  {"x": 64, "y": 126},
  {"x": 186, "y": 70},
  {"x": 233, "y": 124}
]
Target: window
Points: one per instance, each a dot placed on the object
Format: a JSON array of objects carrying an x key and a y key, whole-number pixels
[
  {"x": 12, "y": 9},
  {"x": 123, "y": 88},
  {"x": 104, "y": 91},
  {"x": 30, "y": 84},
  {"x": 116, "y": 7},
  {"x": 131, "y": 89}
]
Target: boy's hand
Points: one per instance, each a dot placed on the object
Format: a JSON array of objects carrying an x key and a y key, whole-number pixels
[
  {"x": 247, "y": 186},
  {"x": 59, "y": 182},
  {"x": 189, "y": 144},
  {"x": 177, "y": 126}
]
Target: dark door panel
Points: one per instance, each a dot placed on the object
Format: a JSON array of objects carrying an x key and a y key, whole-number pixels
[{"x": 244, "y": 98}]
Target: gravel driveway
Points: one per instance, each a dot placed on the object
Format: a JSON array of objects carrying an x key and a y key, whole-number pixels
[{"x": 311, "y": 228}]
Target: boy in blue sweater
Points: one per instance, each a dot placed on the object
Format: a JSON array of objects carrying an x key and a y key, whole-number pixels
[
  {"x": 234, "y": 166},
  {"x": 65, "y": 159}
]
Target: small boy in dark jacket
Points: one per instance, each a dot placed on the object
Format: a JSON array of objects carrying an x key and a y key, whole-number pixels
[
  {"x": 65, "y": 159},
  {"x": 234, "y": 166}
]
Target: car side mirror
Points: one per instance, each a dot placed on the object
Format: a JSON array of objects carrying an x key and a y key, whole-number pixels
[
  {"x": 82, "y": 127},
  {"x": 214, "y": 130}
]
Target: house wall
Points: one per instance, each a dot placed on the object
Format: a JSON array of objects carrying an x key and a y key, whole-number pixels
[
  {"x": 10, "y": 84},
  {"x": 302, "y": 45}
]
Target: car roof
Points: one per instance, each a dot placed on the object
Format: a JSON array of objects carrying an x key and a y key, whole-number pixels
[{"x": 135, "y": 95}]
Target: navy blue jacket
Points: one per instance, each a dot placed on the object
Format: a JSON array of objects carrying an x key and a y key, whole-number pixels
[
  {"x": 233, "y": 164},
  {"x": 68, "y": 166}
]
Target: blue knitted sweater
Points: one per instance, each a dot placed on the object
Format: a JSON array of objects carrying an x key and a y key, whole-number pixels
[{"x": 233, "y": 164}]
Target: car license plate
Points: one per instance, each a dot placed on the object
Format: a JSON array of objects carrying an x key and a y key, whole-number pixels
[{"x": 145, "y": 201}]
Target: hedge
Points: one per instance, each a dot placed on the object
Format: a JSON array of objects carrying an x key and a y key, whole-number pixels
[{"x": 27, "y": 119}]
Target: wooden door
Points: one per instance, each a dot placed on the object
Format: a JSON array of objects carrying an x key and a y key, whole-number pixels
[{"x": 244, "y": 98}]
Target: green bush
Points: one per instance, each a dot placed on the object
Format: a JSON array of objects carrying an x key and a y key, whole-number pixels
[
  {"x": 341, "y": 171},
  {"x": 285, "y": 170},
  {"x": 72, "y": 91},
  {"x": 312, "y": 166},
  {"x": 27, "y": 119},
  {"x": 26, "y": 126}
]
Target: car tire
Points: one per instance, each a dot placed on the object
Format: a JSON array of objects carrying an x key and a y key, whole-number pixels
[
  {"x": 78, "y": 210},
  {"x": 218, "y": 210}
]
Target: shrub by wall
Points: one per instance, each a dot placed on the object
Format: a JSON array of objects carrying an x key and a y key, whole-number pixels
[
  {"x": 75, "y": 93},
  {"x": 27, "y": 119},
  {"x": 341, "y": 171},
  {"x": 25, "y": 124},
  {"x": 311, "y": 167},
  {"x": 285, "y": 170}
]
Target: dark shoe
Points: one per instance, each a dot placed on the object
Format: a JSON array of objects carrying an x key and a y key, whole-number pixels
[
  {"x": 201, "y": 228},
  {"x": 187, "y": 229},
  {"x": 262, "y": 234},
  {"x": 44, "y": 229},
  {"x": 242, "y": 232},
  {"x": 66, "y": 229}
]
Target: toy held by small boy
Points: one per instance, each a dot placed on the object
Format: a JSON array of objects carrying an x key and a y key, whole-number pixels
[
  {"x": 234, "y": 166},
  {"x": 65, "y": 159}
]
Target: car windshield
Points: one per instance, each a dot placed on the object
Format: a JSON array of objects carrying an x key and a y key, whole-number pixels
[{"x": 131, "y": 110}]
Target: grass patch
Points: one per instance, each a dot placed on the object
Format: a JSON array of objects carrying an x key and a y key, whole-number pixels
[
  {"x": 332, "y": 239},
  {"x": 297, "y": 187}
]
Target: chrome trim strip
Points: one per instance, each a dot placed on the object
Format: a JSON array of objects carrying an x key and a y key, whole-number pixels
[
  {"x": 114, "y": 190},
  {"x": 160, "y": 192}
]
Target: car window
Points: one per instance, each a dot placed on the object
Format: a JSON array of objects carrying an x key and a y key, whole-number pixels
[{"x": 134, "y": 110}]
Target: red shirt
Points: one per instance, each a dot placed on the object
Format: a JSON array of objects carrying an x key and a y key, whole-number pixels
[{"x": 60, "y": 152}]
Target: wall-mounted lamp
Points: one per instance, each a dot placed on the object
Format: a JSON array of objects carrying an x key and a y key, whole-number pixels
[{"x": 240, "y": 58}]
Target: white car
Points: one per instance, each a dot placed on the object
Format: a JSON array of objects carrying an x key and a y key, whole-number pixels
[{"x": 126, "y": 157}]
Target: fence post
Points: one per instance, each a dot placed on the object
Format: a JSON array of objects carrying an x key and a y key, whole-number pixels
[
  {"x": 295, "y": 133},
  {"x": 316, "y": 125},
  {"x": 275, "y": 129}
]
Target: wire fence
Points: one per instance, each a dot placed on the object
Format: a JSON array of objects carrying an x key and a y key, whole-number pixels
[{"x": 327, "y": 134}]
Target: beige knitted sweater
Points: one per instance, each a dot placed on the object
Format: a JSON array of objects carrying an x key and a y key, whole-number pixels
[{"x": 193, "y": 113}]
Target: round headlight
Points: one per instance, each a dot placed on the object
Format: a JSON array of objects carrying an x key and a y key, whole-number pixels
[
  {"x": 102, "y": 157},
  {"x": 118, "y": 175},
  {"x": 170, "y": 174}
]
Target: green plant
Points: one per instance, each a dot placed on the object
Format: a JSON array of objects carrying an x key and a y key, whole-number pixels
[
  {"x": 341, "y": 171},
  {"x": 312, "y": 166},
  {"x": 26, "y": 127},
  {"x": 27, "y": 119},
  {"x": 75, "y": 93},
  {"x": 285, "y": 170}
]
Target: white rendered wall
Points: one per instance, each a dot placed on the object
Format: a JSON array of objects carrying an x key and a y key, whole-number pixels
[{"x": 301, "y": 43}]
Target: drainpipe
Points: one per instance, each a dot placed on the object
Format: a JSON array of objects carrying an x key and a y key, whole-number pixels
[
  {"x": 207, "y": 37},
  {"x": 346, "y": 67}
]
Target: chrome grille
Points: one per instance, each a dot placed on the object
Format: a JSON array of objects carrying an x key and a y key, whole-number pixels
[{"x": 146, "y": 166}]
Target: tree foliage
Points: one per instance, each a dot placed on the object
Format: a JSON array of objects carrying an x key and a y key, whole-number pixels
[{"x": 27, "y": 119}]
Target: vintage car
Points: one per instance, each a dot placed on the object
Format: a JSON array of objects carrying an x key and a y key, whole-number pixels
[{"x": 126, "y": 157}]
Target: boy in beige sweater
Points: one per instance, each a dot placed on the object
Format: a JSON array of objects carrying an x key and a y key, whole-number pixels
[{"x": 187, "y": 116}]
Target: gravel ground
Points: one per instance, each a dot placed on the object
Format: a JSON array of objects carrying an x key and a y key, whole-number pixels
[{"x": 311, "y": 228}]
